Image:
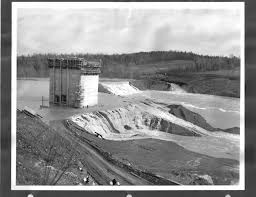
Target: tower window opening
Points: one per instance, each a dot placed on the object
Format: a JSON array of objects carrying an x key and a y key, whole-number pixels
[
  {"x": 56, "y": 99},
  {"x": 64, "y": 98}
]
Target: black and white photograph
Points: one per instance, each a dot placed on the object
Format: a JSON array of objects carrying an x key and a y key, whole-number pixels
[{"x": 137, "y": 96}]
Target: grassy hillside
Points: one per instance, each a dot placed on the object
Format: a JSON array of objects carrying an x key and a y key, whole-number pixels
[
  {"x": 221, "y": 82},
  {"x": 44, "y": 157}
]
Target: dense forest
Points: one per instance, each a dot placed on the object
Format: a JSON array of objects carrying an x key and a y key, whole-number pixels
[{"x": 134, "y": 65}]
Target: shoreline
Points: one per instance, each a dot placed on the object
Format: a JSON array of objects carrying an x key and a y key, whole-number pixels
[{"x": 104, "y": 79}]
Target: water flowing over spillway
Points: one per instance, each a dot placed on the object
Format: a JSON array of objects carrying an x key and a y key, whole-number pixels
[
  {"x": 118, "y": 88},
  {"x": 176, "y": 88}
]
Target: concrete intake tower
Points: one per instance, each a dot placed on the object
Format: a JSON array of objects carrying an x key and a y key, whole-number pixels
[{"x": 73, "y": 82}]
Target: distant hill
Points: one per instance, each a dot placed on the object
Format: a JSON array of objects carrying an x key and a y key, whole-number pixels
[{"x": 134, "y": 65}]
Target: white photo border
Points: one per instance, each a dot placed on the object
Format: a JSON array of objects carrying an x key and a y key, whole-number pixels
[{"x": 129, "y": 5}]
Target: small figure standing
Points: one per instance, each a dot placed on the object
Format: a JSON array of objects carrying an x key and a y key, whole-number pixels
[
  {"x": 114, "y": 182},
  {"x": 86, "y": 180}
]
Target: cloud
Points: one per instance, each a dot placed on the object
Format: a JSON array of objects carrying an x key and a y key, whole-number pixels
[{"x": 213, "y": 32}]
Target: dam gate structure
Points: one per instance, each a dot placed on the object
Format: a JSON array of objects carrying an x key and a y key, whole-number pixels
[{"x": 73, "y": 82}]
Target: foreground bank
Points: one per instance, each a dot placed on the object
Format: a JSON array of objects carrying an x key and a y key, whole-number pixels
[{"x": 136, "y": 162}]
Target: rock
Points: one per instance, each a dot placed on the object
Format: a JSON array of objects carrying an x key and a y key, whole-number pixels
[
  {"x": 207, "y": 178},
  {"x": 160, "y": 124},
  {"x": 185, "y": 114},
  {"x": 195, "y": 118},
  {"x": 202, "y": 180},
  {"x": 234, "y": 130},
  {"x": 127, "y": 127}
]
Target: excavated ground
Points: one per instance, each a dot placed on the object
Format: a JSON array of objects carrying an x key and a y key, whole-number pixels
[
  {"x": 168, "y": 141},
  {"x": 164, "y": 159},
  {"x": 140, "y": 141}
]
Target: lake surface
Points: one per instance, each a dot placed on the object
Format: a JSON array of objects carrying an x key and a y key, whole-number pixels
[{"x": 221, "y": 112}]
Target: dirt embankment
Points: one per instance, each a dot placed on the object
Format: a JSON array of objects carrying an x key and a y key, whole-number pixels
[
  {"x": 158, "y": 161},
  {"x": 145, "y": 119},
  {"x": 132, "y": 119},
  {"x": 44, "y": 157},
  {"x": 90, "y": 140},
  {"x": 197, "y": 119},
  {"x": 48, "y": 157}
]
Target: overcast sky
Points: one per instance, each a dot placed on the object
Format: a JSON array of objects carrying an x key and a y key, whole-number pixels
[{"x": 212, "y": 32}]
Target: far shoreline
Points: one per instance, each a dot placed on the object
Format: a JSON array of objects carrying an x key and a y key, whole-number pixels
[{"x": 103, "y": 79}]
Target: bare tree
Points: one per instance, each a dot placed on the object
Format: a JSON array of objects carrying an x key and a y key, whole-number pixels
[{"x": 52, "y": 175}]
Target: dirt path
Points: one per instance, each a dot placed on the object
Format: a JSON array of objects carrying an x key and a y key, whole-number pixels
[{"x": 99, "y": 168}]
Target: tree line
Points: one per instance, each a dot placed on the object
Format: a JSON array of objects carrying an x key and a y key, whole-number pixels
[{"x": 123, "y": 65}]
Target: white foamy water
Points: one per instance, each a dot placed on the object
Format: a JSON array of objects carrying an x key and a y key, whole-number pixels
[
  {"x": 176, "y": 88},
  {"x": 118, "y": 88}
]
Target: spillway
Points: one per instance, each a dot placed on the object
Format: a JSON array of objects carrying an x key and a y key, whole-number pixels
[{"x": 122, "y": 88}]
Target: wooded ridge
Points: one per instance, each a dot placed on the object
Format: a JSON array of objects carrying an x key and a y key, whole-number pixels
[{"x": 133, "y": 65}]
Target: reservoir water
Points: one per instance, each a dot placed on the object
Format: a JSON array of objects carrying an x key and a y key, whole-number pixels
[{"x": 221, "y": 112}]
